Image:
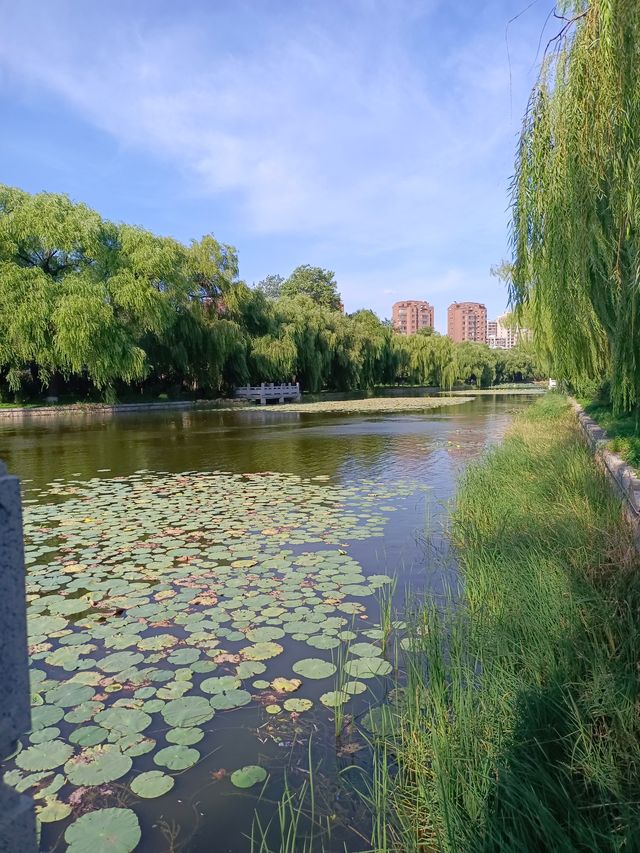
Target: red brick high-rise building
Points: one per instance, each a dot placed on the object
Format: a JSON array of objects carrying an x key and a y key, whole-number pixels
[
  {"x": 410, "y": 316},
  {"x": 467, "y": 321}
]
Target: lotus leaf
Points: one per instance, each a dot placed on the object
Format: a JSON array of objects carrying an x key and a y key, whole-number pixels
[
  {"x": 52, "y": 787},
  {"x": 177, "y": 757},
  {"x": 119, "y": 661},
  {"x": 247, "y": 668},
  {"x": 334, "y": 698},
  {"x": 83, "y": 712},
  {"x": 185, "y": 736},
  {"x": 53, "y": 810},
  {"x": 12, "y": 777},
  {"x": 204, "y": 666},
  {"x": 187, "y": 712},
  {"x": 286, "y": 685},
  {"x": 184, "y": 656},
  {"x": 42, "y": 735},
  {"x": 152, "y": 706},
  {"x": 261, "y": 651},
  {"x": 25, "y": 782},
  {"x": 273, "y": 709},
  {"x": 260, "y": 684},
  {"x": 153, "y": 783},
  {"x": 365, "y": 650},
  {"x": 123, "y": 720},
  {"x": 88, "y": 735},
  {"x": 297, "y": 705},
  {"x": 104, "y": 831},
  {"x": 134, "y": 744},
  {"x": 323, "y": 642},
  {"x": 144, "y": 693},
  {"x": 219, "y": 684},
  {"x": 69, "y": 694},
  {"x": 158, "y": 642},
  {"x": 314, "y": 668},
  {"x": 97, "y": 765},
  {"x": 354, "y": 688},
  {"x": 247, "y": 776},
  {"x": 174, "y": 689},
  {"x": 260, "y": 635},
  {"x": 44, "y": 756},
  {"x": 367, "y": 667},
  {"x": 228, "y": 699}
]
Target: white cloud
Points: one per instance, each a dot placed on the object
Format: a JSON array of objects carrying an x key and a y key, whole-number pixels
[{"x": 333, "y": 121}]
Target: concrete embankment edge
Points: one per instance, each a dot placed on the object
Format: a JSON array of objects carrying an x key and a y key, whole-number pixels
[{"x": 622, "y": 476}]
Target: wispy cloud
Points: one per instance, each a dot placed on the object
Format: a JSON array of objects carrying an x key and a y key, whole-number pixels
[{"x": 377, "y": 125}]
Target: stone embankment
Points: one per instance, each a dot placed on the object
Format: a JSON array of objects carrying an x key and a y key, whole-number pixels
[{"x": 621, "y": 475}]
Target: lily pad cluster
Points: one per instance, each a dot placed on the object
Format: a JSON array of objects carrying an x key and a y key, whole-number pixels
[{"x": 157, "y": 601}]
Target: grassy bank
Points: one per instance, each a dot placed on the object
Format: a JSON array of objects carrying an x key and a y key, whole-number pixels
[
  {"x": 519, "y": 727},
  {"x": 623, "y": 430}
]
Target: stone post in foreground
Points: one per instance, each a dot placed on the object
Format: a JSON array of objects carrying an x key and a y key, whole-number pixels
[{"x": 17, "y": 821}]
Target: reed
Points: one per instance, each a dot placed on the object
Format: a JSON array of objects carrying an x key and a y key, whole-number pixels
[
  {"x": 296, "y": 826},
  {"x": 518, "y": 726}
]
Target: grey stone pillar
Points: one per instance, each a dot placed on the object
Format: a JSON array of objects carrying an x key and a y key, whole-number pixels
[{"x": 17, "y": 821}]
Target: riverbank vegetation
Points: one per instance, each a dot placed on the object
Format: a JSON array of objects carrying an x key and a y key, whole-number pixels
[
  {"x": 576, "y": 227},
  {"x": 518, "y": 726},
  {"x": 91, "y": 309},
  {"x": 622, "y": 428}
]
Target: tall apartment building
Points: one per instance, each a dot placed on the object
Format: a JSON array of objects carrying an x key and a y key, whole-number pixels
[
  {"x": 503, "y": 336},
  {"x": 467, "y": 321},
  {"x": 410, "y": 316}
]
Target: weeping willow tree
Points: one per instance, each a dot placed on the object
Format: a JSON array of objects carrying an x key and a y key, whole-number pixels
[{"x": 576, "y": 223}]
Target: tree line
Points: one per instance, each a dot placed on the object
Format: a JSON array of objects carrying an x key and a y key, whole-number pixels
[{"x": 91, "y": 308}]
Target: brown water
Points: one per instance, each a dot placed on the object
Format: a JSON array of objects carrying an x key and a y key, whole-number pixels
[{"x": 425, "y": 452}]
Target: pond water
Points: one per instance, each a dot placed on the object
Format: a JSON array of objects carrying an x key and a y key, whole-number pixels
[{"x": 178, "y": 564}]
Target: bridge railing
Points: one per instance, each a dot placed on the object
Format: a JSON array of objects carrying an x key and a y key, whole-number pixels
[{"x": 269, "y": 391}]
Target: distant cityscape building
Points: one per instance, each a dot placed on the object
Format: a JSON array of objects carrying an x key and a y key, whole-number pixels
[
  {"x": 467, "y": 321},
  {"x": 410, "y": 316},
  {"x": 503, "y": 335}
]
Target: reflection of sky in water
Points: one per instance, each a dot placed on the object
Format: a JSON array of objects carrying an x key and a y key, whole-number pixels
[{"x": 342, "y": 446}]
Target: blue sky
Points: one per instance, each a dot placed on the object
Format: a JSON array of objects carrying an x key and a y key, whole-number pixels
[{"x": 372, "y": 137}]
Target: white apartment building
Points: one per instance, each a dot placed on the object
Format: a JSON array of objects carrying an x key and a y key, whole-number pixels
[{"x": 500, "y": 336}]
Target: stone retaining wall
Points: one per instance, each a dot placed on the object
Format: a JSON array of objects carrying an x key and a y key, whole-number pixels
[{"x": 622, "y": 476}]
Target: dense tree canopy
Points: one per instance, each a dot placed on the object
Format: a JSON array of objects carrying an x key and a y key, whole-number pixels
[
  {"x": 88, "y": 306},
  {"x": 314, "y": 282},
  {"x": 577, "y": 200},
  {"x": 271, "y": 286}
]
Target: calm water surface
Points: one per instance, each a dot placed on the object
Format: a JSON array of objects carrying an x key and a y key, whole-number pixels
[{"x": 204, "y": 813}]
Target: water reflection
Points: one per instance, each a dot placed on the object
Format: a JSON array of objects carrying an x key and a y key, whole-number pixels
[{"x": 430, "y": 450}]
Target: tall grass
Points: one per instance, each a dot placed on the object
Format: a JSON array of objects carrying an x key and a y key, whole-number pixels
[
  {"x": 295, "y": 825},
  {"x": 519, "y": 728}
]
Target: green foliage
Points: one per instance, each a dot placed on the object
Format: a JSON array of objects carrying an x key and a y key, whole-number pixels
[
  {"x": 518, "y": 729},
  {"x": 81, "y": 297},
  {"x": 271, "y": 286},
  {"x": 90, "y": 308},
  {"x": 315, "y": 282},
  {"x": 576, "y": 227},
  {"x": 622, "y": 429}
]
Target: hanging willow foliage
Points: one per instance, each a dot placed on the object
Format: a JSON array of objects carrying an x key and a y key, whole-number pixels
[{"x": 576, "y": 208}]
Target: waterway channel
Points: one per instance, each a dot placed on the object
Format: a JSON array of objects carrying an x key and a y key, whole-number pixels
[{"x": 179, "y": 563}]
